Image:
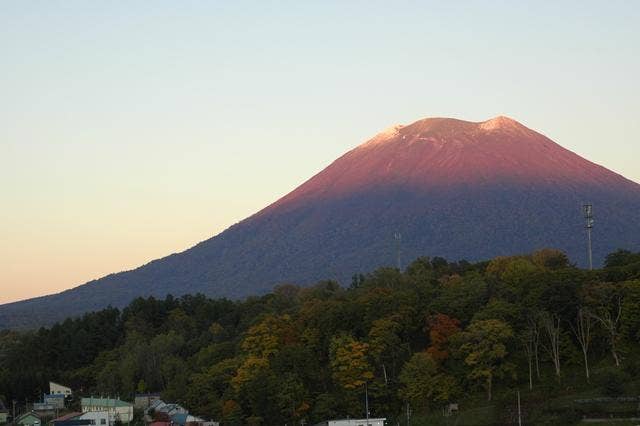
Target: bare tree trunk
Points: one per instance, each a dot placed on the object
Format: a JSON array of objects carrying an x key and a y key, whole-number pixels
[
  {"x": 616, "y": 357},
  {"x": 535, "y": 340},
  {"x": 384, "y": 370},
  {"x": 551, "y": 325},
  {"x": 528, "y": 349},
  {"x": 611, "y": 322},
  {"x": 582, "y": 331},
  {"x": 530, "y": 375}
]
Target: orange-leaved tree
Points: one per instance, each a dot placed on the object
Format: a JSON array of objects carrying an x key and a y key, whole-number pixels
[{"x": 441, "y": 328}]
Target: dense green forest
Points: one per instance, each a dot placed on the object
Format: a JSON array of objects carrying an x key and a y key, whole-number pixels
[{"x": 436, "y": 333}]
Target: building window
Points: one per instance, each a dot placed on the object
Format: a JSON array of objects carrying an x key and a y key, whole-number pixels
[{"x": 103, "y": 421}]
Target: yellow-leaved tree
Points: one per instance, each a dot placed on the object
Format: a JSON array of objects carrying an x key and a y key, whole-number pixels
[
  {"x": 261, "y": 343},
  {"x": 349, "y": 364}
]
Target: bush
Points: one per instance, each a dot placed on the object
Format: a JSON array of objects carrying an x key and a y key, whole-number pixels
[
  {"x": 555, "y": 417},
  {"x": 612, "y": 381}
]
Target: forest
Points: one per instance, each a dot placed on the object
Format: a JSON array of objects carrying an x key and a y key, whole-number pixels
[{"x": 435, "y": 333}]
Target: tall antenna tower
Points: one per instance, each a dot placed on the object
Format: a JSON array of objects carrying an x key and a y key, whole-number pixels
[
  {"x": 398, "y": 238},
  {"x": 588, "y": 216}
]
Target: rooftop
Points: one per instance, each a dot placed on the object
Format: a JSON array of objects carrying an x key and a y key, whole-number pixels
[
  {"x": 68, "y": 416},
  {"x": 105, "y": 402}
]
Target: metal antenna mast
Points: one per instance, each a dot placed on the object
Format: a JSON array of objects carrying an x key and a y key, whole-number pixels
[
  {"x": 398, "y": 237},
  {"x": 588, "y": 216}
]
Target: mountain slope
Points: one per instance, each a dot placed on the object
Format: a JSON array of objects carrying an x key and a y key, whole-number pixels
[{"x": 451, "y": 188}]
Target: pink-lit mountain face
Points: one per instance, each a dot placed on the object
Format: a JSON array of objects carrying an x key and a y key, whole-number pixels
[
  {"x": 450, "y": 188},
  {"x": 443, "y": 154}
]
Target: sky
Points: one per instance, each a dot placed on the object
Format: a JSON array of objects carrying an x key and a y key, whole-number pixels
[{"x": 132, "y": 130}]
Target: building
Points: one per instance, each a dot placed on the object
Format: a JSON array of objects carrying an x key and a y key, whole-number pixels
[
  {"x": 44, "y": 410},
  {"x": 182, "y": 419},
  {"x": 97, "y": 418},
  {"x": 29, "y": 419},
  {"x": 117, "y": 410},
  {"x": 73, "y": 422},
  {"x": 4, "y": 413},
  {"x": 69, "y": 419},
  {"x": 56, "y": 400},
  {"x": 90, "y": 418},
  {"x": 159, "y": 406},
  {"x": 353, "y": 422},
  {"x": 143, "y": 401},
  {"x": 160, "y": 413},
  {"x": 57, "y": 389},
  {"x": 190, "y": 420}
]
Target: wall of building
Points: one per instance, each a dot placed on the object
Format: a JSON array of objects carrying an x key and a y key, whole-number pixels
[
  {"x": 57, "y": 389},
  {"x": 98, "y": 418},
  {"x": 124, "y": 414},
  {"x": 56, "y": 400}
]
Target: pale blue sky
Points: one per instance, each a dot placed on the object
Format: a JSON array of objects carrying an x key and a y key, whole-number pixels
[{"x": 130, "y": 130}]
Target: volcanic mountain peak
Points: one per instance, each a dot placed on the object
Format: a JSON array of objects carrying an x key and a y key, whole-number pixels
[
  {"x": 436, "y": 154},
  {"x": 500, "y": 122},
  {"x": 442, "y": 129},
  {"x": 387, "y": 134}
]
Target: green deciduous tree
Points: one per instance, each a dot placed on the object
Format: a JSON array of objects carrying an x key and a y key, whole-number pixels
[
  {"x": 423, "y": 384},
  {"x": 483, "y": 346}
]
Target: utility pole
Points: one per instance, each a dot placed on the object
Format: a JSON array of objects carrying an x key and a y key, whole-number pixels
[
  {"x": 14, "y": 412},
  {"x": 366, "y": 401},
  {"x": 588, "y": 216},
  {"x": 398, "y": 237}
]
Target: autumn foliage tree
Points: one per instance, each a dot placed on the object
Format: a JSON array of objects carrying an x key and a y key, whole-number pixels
[
  {"x": 349, "y": 365},
  {"x": 441, "y": 329}
]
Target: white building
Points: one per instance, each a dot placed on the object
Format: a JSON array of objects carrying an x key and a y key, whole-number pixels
[
  {"x": 116, "y": 409},
  {"x": 353, "y": 422},
  {"x": 98, "y": 418},
  {"x": 57, "y": 389}
]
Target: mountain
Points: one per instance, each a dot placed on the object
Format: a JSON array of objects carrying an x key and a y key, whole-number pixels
[{"x": 450, "y": 188}]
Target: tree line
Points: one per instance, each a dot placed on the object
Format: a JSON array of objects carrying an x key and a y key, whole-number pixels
[{"x": 435, "y": 333}]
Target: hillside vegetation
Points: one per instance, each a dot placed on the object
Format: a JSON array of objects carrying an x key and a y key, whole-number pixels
[{"x": 434, "y": 334}]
